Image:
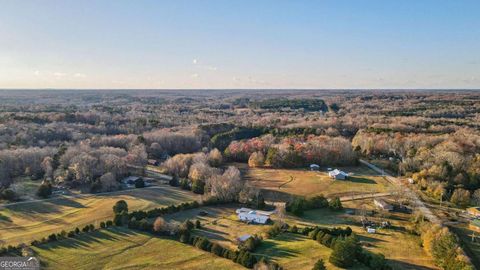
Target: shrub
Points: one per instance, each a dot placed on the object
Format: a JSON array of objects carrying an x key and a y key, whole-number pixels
[
  {"x": 109, "y": 223},
  {"x": 120, "y": 206},
  {"x": 202, "y": 243},
  {"x": 188, "y": 225},
  {"x": 44, "y": 190},
  {"x": 217, "y": 249},
  {"x": 335, "y": 204},
  {"x": 139, "y": 183},
  {"x": 319, "y": 265},
  {"x": 174, "y": 182},
  {"x": 184, "y": 236},
  {"x": 103, "y": 225},
  {"x": 198, "y": 187},
  {"x": 344, "y": 252},
  {"x": 52, "y": 237}
]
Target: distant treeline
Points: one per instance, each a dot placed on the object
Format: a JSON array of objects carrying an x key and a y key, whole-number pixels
[{"x": 294, "y": 104}]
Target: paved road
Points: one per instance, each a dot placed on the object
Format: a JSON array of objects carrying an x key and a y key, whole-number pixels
[{"x": 416, "y": 200}]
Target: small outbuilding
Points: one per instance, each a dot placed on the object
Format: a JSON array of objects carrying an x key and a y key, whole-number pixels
[
  {"x": 243, "y": 238},
  {"x": 153, "y": 162},
  {"x": 474, "y": 211},
  {"x": 314, "y": 167},
  {"x": 338, "y": 175},
  {"x": 130, "y": 181},
  {"x": 383, "y": 204}
]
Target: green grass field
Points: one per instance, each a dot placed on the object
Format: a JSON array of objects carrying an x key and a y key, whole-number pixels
[
  {"x": 294, "y": 251},
  {"x": 309, "y": 183},
  {"x": 21, "y": 223},
  {"x": 125, "y": 249},
  {"x": 402, "y": 249}
]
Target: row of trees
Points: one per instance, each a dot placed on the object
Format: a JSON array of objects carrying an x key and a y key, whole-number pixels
[
  {"x": 442, "y": 245},
  {"x": 291, "y": 152}
]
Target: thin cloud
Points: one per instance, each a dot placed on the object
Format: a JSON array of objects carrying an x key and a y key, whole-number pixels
[
  {"x": 205, "y": 67},
  {"x": 79, "y": 75},
  {"x": 195, "y": 75},
  {"x": 59, "y": 74}
]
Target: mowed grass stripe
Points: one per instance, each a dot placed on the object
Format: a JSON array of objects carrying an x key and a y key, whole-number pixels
[
  {"x": 26, "y": 222},
  {"x": 120, "y": 248}
]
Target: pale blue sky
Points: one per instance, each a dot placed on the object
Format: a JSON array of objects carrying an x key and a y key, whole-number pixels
[{"x": 240, "y": 44}]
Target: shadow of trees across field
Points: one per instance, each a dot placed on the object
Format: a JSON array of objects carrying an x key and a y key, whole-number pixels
[
  {"x": 85, "y": 240},
  {"x": 359, "y": 180},
  {"x": 408, "y": 266}
]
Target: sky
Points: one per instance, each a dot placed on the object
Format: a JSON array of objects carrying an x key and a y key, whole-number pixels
[{"x": 208, "y": 44}]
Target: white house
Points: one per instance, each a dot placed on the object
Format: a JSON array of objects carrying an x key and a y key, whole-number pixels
[
  {"x": 249, "y": 215},
  {"x": 337, "y": 174},
  {"x": 371, "y": 230},
  {"x": 314, "y": 167}
]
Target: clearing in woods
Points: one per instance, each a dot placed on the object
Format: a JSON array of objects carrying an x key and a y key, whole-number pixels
[{"x": 310, "y": 183}]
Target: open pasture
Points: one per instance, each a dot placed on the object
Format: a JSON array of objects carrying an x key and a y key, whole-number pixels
[
  {"x": 310, "y": 183},
  {"x": 401, "y": 248},
  {"x": 126, "y": 249},
  {"x": 26, "y": 221}
]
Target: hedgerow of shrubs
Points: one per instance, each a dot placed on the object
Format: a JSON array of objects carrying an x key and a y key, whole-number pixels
[{"x": 300, "y": 204}]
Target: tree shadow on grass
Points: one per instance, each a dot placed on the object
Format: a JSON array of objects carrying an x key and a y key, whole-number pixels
[
  {"x": 365, "y": 238},
  {"x": 271, "y": 249},
  {"x": 85, "y": 240},
  {"x": 5, "y": 219},
  {"x": 360, "y": 180},
  {"x": 67, "y": 202},
  {"x": 213, "y": 234},
  {"x": 408, "y": 266}
]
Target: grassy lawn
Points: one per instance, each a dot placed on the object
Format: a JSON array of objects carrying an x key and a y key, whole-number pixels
[
  {"x": 125, "y": 249},
  {"x": 27, "y": 221},
  {"x": 309, "y": 183},
  {"x": 25, "y": 187},
  {"x": 220, "y": 225},
  {"x": 402, "y": 249},
  {"x": 294, "y": 251}
]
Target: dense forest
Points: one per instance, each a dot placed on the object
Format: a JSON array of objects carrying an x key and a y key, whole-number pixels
[{"x": 89, "y": 139}]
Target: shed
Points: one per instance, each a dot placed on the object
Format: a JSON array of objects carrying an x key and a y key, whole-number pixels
[
  {"x": 337, "y": 174},
  {"x": 244, "y": 238},
  {"x": 383, "y": 205},
  {"x": 474, "y": 211}
]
